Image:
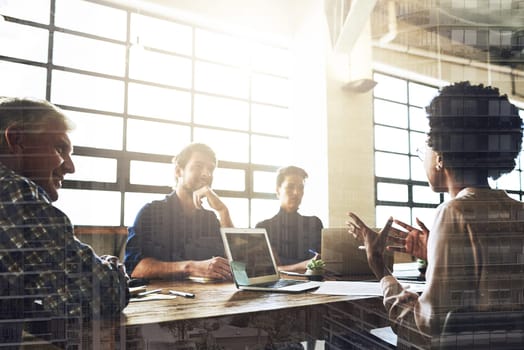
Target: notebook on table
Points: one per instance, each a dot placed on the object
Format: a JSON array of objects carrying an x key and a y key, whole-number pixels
[
  {"x": 342, "y": 256},
  {"x": 253, "y": 265}
]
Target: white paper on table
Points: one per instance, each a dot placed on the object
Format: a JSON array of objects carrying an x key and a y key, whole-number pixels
[
  {"x": 150, "y": 297},
  {"x": 349, "y": 288},
  {"x": 357, "y": 288}
]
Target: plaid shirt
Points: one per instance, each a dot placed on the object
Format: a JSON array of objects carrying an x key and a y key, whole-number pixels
[{"x": 45, "y": 272}]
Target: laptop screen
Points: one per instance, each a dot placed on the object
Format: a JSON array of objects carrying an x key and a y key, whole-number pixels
[{"x": 251, "y": 251}]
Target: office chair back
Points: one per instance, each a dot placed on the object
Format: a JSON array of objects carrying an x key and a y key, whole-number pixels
[{"x": 479, "y": 330}]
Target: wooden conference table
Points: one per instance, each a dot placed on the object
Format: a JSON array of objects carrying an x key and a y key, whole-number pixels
[{"x": 222, "y": 317}]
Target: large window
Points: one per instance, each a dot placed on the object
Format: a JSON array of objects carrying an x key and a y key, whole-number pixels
[
  {"x": 139, "y": 87},
  {"x": 400, "y": 123}
]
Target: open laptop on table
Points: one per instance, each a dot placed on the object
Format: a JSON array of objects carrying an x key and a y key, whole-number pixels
[
  {"x": 341, "y": 253},
  {"x": 342, "y": 256},
  {"x": 253, "y": 265}
]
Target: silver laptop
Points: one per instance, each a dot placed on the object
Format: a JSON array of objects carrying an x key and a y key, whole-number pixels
[
  {"x": 253, "y": 265},
  {"x": 342, "y": 256}
]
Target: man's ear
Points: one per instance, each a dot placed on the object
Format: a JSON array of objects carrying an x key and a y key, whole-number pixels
[
  {"x": 178, "y": 171},
  {"x": 14, "y": 137}
]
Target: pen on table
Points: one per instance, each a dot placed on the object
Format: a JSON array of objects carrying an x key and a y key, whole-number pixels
[
  {"x": 313, "y": 252},
  {"x": 363, "y": 247},
  {"x": 150, "y": 292},
  {"x": 182, "y": 294}
]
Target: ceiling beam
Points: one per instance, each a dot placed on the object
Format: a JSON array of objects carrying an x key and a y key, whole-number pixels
[{"x": 358, "y": 15}]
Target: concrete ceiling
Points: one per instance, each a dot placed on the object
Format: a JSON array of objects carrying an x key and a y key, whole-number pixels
[
  {"x": 489, "y": 31},
  {"x": 485, "y": 30}
]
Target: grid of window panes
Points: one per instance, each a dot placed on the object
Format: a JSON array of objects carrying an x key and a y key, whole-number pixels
[
  {"x": 400, "y": 123},
  {"x": 139, "y": 87}
]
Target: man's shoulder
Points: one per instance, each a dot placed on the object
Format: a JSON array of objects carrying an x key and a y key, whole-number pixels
[
  {"x": 168, "y": 200},
  {"x": 14, "y": 187}
]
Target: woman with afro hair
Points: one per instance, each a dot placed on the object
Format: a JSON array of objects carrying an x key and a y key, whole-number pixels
[{"x": 475, "y": 250}]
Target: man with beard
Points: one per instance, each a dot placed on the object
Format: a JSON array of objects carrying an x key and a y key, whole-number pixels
[{"x": 176, "y": 237}]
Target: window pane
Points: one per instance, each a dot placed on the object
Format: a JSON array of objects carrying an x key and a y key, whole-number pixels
[
  {"x": 91, "y": 18},
  {"x": 457, "y": 36},
  {"x": 221, "y": 48},
  {"x": 160, "y": 34},
  {"x": 221, "y": 80},
  {"x": 509, "y": 181},
  {"x": 426, "y": 215},
  {"x": 390, "y": 113},
  {"x": 238, "y": 209},
  {"x": 134, "y": 201},
  {"x": 104, "y": 94},
  {"x": 97, "y": 131},
  {"x": 482, "y": 38},
  {"x": 424, "y": 194},
  {"x": 390, "y": 139},
  {"x": 391, "y": 165},
  {"x": 421, "y": 95},
  {"x": 418, "y": 119},
  {"x": 151, "y": 173},
  {"x": 514, "y": 196},
  {"x": 265, "y": 88},
  {"x": 262, "y": 209},
  {"x": 228, "y": 145},
  {"x": 270, "y": 120},
  {"x": 229, "y": 179},
  {"x": 506, "y": 36},
  {"x": 392, "y": 192},
  {"x": 397, "y": 166},
  {"x": 418, "y": 173},
  {"x": 264, "y": 181},
  {"x": 271, "y": 60},
  {"x": 160, "y": 103},
  {"x": 93, "y": 169},
  {"x": 158, "y": 138},
  {"x": 470, "y": 37},
  {"x": 417, "y": 141},
  {"x": 390, "y": 88},
  {"x": 24, "y": 42},
  {"x": 522, "y": 179},
  {"x": 383, "y": 213},
  {"x": 23, "y": 80},
  {"x": 494, "y": 38},
  {"x": 89, "y": 207},
  {"x": 223, "y": 112},
  {"x": 88, "y": 54},
  {"x": 270, "y": 150},
  {"x": 159, "y": 68},
  {"x": 33, "y": 10}
]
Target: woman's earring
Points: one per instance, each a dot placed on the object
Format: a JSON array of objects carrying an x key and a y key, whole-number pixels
[{"x": 438, "y": 167}]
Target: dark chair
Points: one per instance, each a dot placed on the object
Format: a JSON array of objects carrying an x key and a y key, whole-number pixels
[
  {"x": 104, "y": 239},
  {"x": 479, "y": 330}
]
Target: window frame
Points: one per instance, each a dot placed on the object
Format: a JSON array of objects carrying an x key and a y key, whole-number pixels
[
  {"x": 410, "y": 183},
  {"x": 124, "y": 157}
]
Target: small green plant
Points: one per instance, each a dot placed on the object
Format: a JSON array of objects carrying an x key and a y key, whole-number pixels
[{"x": 317, "y": 264}]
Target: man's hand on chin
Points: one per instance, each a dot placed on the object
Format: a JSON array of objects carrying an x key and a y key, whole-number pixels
[
  {"x": 199, "y": 195},
  {"x": 212, "y": 198}
]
